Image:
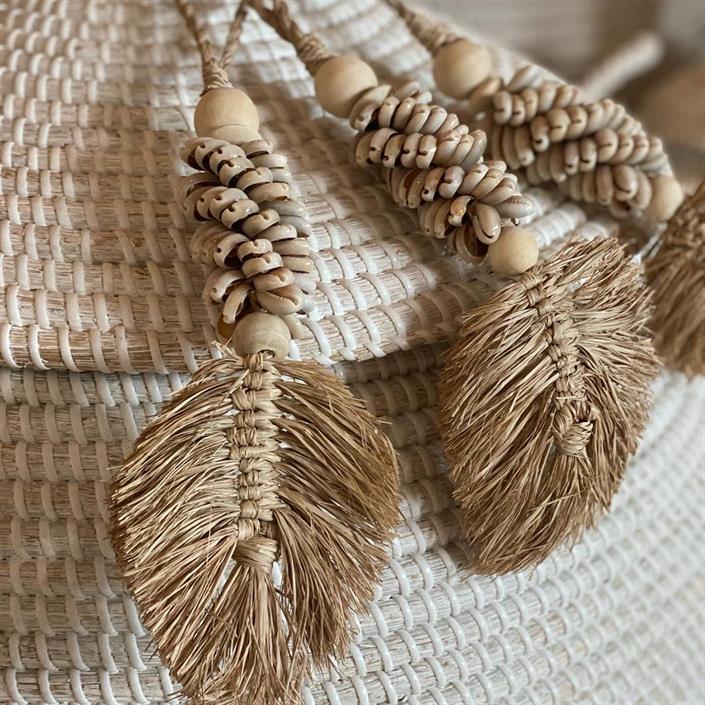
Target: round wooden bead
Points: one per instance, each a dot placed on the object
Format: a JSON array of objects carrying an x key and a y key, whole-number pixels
[
  {"x": 460, "y": 66},
  {"x": 666, "y": 197},
  {"x": 221, "y": 107},
  {"x": 261, "y": 332},
  {"x": 236, "y": 134},
  {"x": 514, "y": 252},
  {"x": 340, "y": 82}
]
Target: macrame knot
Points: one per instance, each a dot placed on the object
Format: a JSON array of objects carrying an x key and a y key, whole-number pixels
[
  {"x": 530, "y": 281},
  {"x": 258, "y": 552},
  {"x": 214, "y": 76},
  {"x": 573, "y": 427},
  {"x": 573, "y": 421},
  {"x": 536, "y": 292},
  {"x": 255, "y": 364},
  {"x": 244, "y": 434}
]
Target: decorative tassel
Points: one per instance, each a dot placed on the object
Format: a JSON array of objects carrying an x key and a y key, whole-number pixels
[
  {"x": 546, "y": 393},
  {"x": 676, "y": 273},
  {"x": 542, "y": 401},
  {"x": 255, "y": 461},
  {"x": 431, "y": 162},
  {"x": 251, "y": 518}
]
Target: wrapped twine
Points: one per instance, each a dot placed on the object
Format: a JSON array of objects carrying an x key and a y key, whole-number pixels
[
  {"x": 250, "y": 519},
  {"x": 545, "y": 393},
  {"x": 596, "y": 153}
]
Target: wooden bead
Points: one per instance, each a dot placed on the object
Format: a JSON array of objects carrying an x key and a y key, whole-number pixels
[
  {"x": 221, "y": 107},
  {"x": 340, "y": 82},
  {"x": 666, "y": 197},
  {"x": 261, "y": 332},
  {"x": 236, "y": 134},
  {"x": 460, "y": 66},
  {"x": 514, "y": 252}
]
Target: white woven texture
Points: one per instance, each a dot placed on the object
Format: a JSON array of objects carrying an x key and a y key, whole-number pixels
[
  {"x": 96, "y": 271},
  {"x": 98, "y": 285}
]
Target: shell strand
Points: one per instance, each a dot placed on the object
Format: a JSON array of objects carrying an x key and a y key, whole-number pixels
[
  {"x": 596, "y": 152},
  {"x": 253, "y": 233},
  {"x": 434, "y": 163}
]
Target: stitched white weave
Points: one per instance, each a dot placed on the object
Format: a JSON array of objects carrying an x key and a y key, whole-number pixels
[{"x": 96, "y": 277}]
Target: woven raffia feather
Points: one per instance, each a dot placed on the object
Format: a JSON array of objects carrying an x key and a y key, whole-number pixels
[
  {"x": 543, "y": 399},
  {"x": 255, "y": 461},
  {"x": 676, "y": 273}
]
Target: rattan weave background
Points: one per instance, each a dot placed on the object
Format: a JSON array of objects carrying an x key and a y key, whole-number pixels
[{"x": 96, "y": 277}]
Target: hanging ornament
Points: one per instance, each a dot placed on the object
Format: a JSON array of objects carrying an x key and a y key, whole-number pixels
[
  {"x": 596, "y": 153},
  {"x": 252, "y": 515},
  {"x": 545, "y": 393}
]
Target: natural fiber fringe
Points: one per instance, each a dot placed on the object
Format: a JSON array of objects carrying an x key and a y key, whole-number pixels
[
  {"x": 676, "y": 273},
  {"x": 542, "y": 401},
  {"x": 254, "y": 461}
]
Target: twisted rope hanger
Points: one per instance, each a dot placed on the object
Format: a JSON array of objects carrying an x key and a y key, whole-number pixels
[
  {"x": 433, "y": 35},
  {"x": 309, "y": 47},
  {"x": 259, "y": 459},
  {"x": 214, "y": 69}
]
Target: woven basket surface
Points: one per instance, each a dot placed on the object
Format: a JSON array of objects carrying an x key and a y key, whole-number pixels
[{"x": 101, "y": 307}]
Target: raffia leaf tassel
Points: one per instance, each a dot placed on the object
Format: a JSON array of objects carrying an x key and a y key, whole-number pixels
[
  {"x": 543, "y": 399},
  {"x": 250, "y": 523},
  {"x": 676, "y": 273}
]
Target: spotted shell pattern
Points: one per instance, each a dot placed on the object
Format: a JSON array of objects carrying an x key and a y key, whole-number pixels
[
  {"x": 595, "y": 152},
  {"x": 435, "y": 164},
  {"x": 253, "y": 234}
]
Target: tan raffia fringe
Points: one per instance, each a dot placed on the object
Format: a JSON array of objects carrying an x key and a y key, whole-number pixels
[
  {"x": 254, "y": 461},
  {"x": 676, "y": 273},
  {"x": 536, "y": 423},
  {"x": 542, "y": 401},
  {"x": 251, "y": 518},
  {"x": 430, "y": 33}
]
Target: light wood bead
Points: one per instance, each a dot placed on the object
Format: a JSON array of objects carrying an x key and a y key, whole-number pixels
[
  {"x": 340, "y": 82},
  {"x": 514, "y": 252},
  {"x": 261, "y": 332},
  {"x": 666, "y": 197},
  {"x": 222, "y": 107},
  {"x": 460, "y": 66},
  {"x": 236, "y": 134}
]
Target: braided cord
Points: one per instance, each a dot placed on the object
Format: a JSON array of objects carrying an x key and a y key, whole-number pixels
[
  {"x": 430, "y": 33},
  {"x": 214, "y": 69},
  {"x": 310, "y": 48}
]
